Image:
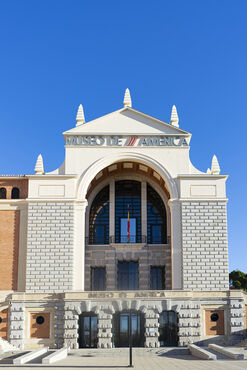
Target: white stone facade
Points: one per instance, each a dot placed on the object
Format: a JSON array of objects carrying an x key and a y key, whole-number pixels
[
  {"x": 59, "y": 256},
  {"x": 205, "y": 251}
]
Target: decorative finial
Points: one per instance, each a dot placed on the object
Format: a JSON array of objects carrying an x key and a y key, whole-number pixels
[
  {"x": 174, "y": 117},
  {"x": 215, "y": 167},
  {"x": 39, "y": 167},
  {"x": 80, "y": 118},
  {"x": 208, "y": 171},
  {"x": 127, "y": 99}
]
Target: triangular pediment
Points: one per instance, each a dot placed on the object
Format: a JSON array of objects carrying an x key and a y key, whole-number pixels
[{"x": 126, "y": 121}]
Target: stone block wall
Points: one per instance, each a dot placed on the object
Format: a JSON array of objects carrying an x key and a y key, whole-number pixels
[
  {"x": 17, "y": 324},
  {"x": 108, "y": 257},
  {"x": 204, "y": 246},
  {"x": 237, "y": 324},
  {"x": 49, "y": 266},
  {"x": 190, "y": 314}
]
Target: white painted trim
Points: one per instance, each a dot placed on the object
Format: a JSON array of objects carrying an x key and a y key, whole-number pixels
[
  {"x": 89, "y": 174},
  {"x": 200, "y": 199},
  {"x": 176, "y": 244},
  {"x": 79, "y": 245},
  {"x": 203, "y": 175}
]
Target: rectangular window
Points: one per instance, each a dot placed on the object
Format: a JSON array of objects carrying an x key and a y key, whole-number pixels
[
  {"x": 156, "y": 234},
  {"x": 124, "y": 230},
  {"x": 98, "y": 278},
  {"x": 128, "y": 275},
  {"x": 99, "y": 234},
  {"x": 157, "y": 277}
]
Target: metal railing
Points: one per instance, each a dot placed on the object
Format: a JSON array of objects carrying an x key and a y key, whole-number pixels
[
  {"x": 132, "y": 239},
  {"x": 123, "y": 239}
]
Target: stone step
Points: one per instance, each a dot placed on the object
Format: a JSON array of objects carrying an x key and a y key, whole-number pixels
[
  {"x": 5, "y": 346},
  {"x": 242, "y": 343}
]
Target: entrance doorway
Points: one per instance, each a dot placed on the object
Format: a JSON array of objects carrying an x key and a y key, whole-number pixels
[
  {"x": 121, "y": 329},
  {"x": 168, "y": 329},
  {"x": 88, "y": 330}
]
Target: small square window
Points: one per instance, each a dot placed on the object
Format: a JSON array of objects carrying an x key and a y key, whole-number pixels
[
  {"x": 98, "y": 278},
  {"x": 157, "y": 277}
]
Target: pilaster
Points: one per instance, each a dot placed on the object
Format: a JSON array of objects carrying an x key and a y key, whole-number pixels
[
  {"x": 79, "y": 245},
  {"x": 144, "y": 207},
  {"x": 112, "y": 208},
  {"x": 176, "y": 243}
]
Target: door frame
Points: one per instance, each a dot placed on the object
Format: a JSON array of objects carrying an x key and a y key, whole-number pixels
[
  {"x": 81, "y": 319},
  {"x": 116, "y": 328},
  {"x": 176, "y": 328}
]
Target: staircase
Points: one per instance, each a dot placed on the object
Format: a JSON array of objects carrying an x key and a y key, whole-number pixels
[
  {"x": 242, "y": 343},
  {"x": 5, "y": 346}
]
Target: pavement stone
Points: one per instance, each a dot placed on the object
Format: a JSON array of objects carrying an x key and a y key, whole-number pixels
[{"x": 143, "y": 359}]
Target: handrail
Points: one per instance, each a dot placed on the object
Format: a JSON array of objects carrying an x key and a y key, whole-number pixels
[{"x": 124, "y": 239}]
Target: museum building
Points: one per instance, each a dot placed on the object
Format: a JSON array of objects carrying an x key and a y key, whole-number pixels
[{"x": 126, "y": 225}]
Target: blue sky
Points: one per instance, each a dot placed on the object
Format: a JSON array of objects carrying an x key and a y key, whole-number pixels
[{"x": 55, "y": 55}]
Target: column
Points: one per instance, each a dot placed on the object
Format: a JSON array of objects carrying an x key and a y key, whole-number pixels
[
  {"x": 176, "y": 244},
  {"x": 79, "y": 244},
  {"x": 112, "y": 209},
  {"x": 144, "y": 207}
]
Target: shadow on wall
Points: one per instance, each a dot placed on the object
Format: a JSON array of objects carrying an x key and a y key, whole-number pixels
[{"x": 235, "y": 338}]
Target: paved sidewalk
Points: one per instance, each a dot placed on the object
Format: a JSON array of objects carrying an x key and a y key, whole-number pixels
[{"x": 143, "y": 359}]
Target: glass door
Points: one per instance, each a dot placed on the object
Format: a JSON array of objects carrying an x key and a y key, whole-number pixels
[
  {"x": 121, "y": 329},
  {"x": 88, "y": 331},
  {"x": 168, "y": 329}
]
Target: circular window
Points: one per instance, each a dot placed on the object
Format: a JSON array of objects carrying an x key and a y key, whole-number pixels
[
  {"x": 214, "y": 317},
  {"x": 40, "y": 320},
  {"x": 1, "y": 320}
]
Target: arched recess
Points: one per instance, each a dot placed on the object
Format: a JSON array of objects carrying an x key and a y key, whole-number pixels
[
  {"x": 103, "y": 183},
  {"x": 92, "y": 171}
]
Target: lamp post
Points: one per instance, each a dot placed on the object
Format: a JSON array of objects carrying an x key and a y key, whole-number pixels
[{"x": 130, "y": 339}]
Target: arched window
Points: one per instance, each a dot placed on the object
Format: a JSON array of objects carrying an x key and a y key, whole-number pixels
[
  {"x": 2, "y": 193},
  {"x": 99, "y": 218},
  {"x": 127, "y": 211},
  {"x": 15, "y": 193},
  {"x": 156, "y": 218}
]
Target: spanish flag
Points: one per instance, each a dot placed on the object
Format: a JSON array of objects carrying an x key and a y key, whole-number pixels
[{"x": 128, "y": 225}]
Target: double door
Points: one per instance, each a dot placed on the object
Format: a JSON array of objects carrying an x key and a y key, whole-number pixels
[
  {"x": 121, "y": 329},
  {"x": 88, "y": 331},
  {"x": 168, "y": 329}
]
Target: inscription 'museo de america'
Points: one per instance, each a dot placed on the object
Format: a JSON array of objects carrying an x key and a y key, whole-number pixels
[{"x": 79, "y": 140}]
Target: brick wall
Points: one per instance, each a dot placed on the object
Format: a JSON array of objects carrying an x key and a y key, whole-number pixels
[
  {"x": 204, "y": 246},
  {"x": 50, "y": 247},
  {"x": 9, "y": 249},
  {"x": 9, "y": 184}
]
